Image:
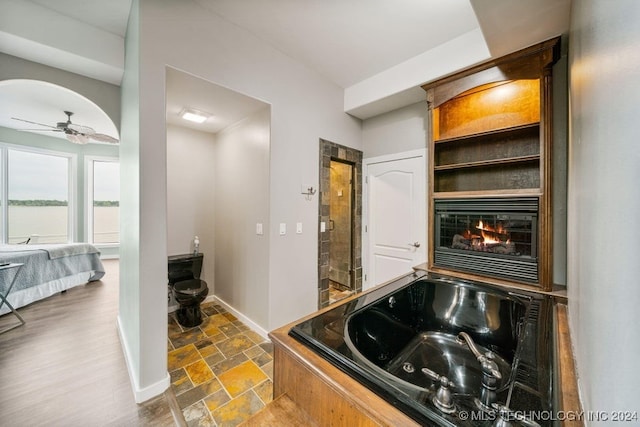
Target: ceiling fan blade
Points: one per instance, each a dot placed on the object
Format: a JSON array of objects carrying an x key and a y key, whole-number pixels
[
  {"x": 85, "y": 130},
  {"x": 78, "y": 134},
  {"x": 77, "y": 138},
  {"x": 100, "y": 137},
  {"x": 34, "y": 123},
  {"x": 39, "y": 130}
]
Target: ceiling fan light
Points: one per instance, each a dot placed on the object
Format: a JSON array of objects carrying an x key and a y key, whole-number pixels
[{"x": 194, "y": 115}]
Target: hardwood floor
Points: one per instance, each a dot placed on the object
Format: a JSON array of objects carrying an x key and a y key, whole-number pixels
[{"x": 65, "y": 366}]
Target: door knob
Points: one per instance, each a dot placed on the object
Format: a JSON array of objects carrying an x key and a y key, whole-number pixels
[{"x": 415, "y": 244}]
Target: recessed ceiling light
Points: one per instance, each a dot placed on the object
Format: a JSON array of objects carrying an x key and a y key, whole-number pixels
[{"x": 194, "y": 115}]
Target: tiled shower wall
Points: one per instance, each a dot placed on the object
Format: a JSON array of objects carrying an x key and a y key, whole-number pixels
[{"x": 332, "y": 151}]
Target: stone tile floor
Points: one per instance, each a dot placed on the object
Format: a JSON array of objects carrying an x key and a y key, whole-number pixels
[
  {"x": 336, "y": 294},
  {"x": 221, "y": 371}
]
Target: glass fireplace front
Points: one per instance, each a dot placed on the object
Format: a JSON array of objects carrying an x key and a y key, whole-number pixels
[{"x": 494, "y": 237}]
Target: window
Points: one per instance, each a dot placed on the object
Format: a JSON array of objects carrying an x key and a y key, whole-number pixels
[
  {"x": 37, "y": 201},
  {"x": 103, "y": 200}
]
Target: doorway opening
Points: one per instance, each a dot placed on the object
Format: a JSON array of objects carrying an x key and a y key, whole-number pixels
[
  {"x": 210, "y": 194},
  {"x": 340, "y": 230},
  {"x": 340, "y": 218}
]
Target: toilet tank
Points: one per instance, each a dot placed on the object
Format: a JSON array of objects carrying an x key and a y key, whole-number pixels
[{"x": 184, "y": 267}]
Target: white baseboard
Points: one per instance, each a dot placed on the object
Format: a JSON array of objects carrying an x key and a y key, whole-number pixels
[
  {"x": 244, "y": 319},
  {"x": 146, "y": 393}
]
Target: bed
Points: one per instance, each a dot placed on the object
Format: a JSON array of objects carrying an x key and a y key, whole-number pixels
[{"x": 47, "y": 270}]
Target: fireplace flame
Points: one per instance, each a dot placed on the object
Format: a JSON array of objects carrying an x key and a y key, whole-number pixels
[
  {"x": 492, "y": 235},
  {"x": 488, "y": 239},
  {"x": 489, "y": 234}
]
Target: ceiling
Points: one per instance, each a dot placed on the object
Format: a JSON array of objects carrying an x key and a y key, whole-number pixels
[
  {"x": 367, "y": 41},
  {"x": 345, "y": 31},
  {"x": 185, "y": 90},
  {"x": 110, "y": 16}
]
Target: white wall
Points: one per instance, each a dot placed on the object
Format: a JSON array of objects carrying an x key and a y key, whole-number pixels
[
  {"x": 604, "y": 201},
  {"x": 242, "y": 201},
  {"x": 190, "y": 195},
  {"x": 129, "y": 296},
  {"x": 404, "y": 129},
  {"x": 305, "y": 107},
  {"x": 142, "y": 315}
]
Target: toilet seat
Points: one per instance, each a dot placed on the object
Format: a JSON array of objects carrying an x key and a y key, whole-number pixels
[{"x": 190, "y": 287}]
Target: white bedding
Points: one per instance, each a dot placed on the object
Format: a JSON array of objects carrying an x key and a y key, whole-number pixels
[
  {"x": 47, "y": 269},
  {"x": 26, "y": 296}
]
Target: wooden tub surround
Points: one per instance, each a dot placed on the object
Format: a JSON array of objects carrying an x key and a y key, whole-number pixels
[
  {"x": 282, "y": 412},
  {"x": 567, "y": 378}
]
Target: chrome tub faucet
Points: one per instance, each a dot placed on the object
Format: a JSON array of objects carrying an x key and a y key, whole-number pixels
[{"x": 491, "y": 375}]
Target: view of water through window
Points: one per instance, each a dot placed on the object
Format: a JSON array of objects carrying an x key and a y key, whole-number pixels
[
  {"x": 106, "y": 197},
  {"x": 38, "y": 199},
  {"x": 38, "y": 196}
]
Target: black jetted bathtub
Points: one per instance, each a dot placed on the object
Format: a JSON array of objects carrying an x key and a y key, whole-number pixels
[{"x": 444, "y": 351}]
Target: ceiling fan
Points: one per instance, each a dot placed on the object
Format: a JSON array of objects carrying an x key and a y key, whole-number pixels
[{"x": 77, "y": 134}]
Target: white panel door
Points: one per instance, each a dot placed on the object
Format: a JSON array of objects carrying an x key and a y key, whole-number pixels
[{"x": 396, "y": 218}]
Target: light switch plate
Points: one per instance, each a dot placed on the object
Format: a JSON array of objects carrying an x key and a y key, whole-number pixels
[
  {"x": 298, "y": 228},
  {"x": 283, "y": 228}
]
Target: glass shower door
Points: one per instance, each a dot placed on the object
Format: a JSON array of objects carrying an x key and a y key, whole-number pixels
[{"x": 340, "y": 225}]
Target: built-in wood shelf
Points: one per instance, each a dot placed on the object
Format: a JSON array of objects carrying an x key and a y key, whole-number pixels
[
  {"x": 481, "y": 163},
  {"x": 494, "y": 160},
  {"x": 490, "y": 136},
  {"x": 475, "y": 194},
  {"x": 503, "y": 132}
]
